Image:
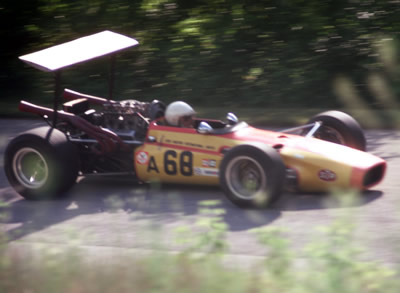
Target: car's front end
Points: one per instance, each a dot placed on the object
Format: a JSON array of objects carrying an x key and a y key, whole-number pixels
[{"x": 316, "y": 165}]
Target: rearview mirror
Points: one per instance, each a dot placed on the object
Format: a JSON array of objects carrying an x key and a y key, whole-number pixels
[
  {"x": 232, "y": 119},
  {"x": 204, "y": 128}
]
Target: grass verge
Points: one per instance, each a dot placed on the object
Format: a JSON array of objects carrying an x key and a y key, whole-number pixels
[{"x": 332, "y": 265}]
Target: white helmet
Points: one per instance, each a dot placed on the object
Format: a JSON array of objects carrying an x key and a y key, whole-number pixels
[{"x": 177, "y": 110}]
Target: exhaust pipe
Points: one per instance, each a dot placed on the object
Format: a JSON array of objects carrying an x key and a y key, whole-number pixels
[{"x": 108, "y": 140}]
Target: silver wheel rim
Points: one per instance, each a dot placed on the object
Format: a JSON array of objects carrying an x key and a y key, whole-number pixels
[
  {"x": 30, "y": 168},
  {"x": 330, "y": 134},
  {"x": 246, "y": 178}
]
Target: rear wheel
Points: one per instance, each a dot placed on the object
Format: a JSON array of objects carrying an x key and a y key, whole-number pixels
[
  {"x": 41, "y": 163},
  {"x": 341, "y": 128},
  {"x": 251, "y": 176}
]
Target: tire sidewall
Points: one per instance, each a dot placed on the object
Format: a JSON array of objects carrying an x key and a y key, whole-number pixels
[
  {"x": 272, "y": 168},
  {"x": 60, "y": 156},
  {"x": 345, "y": 125}
]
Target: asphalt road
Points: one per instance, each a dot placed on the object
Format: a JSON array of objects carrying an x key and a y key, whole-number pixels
[{"x": 112, "y": 216}]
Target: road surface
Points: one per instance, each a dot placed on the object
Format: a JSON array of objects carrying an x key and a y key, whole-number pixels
[{"x": 108, "y": 216}]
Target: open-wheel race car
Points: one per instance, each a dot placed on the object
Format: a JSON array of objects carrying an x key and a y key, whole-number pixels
[{"x": 94, "y": 135}]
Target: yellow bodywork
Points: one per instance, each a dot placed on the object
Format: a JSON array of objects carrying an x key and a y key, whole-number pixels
[
  {"x": 308, "y": 166},
  {"x": 168, "y": 159},
  {"x": 184, "y": 156}
]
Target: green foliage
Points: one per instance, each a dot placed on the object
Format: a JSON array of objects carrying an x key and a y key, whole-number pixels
[
  {"x": 329, "y": 263},
  {"x": 213, "y": 231},
  {"x": 335, "y": 254},
  {"x": 259, "y": 53}
]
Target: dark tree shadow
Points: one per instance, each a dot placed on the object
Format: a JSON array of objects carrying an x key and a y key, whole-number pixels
[{"x": 157, "y": 203}]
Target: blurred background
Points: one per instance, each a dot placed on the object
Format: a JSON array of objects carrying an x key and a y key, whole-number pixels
[{"x": 268, "y": 60}]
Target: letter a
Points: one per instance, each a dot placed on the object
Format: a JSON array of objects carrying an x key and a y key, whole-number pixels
[{"x": 152, "y": 165}]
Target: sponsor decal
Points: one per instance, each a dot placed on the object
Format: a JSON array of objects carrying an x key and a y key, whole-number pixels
[
  {"x": 327, "y": 175},
  {"x": 206, "y": 172},
  {"x": 209, "y": 163},
  {"x": 211, "y": 172},
  {"x": 142, "y": 158}
]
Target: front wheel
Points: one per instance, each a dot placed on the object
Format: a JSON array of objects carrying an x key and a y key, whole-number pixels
[
  {"x": 252, "y": 176},
  {"x": 41, "y": 163},
  {"x": 341, "y": 128}
]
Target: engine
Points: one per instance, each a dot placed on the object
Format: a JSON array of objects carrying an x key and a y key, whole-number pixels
[
  {"x": 129, "y": 119},
  {"x": 126, "y": 118}
]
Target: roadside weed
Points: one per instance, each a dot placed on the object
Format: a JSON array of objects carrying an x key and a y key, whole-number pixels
[{"x": 331, "y": 262}]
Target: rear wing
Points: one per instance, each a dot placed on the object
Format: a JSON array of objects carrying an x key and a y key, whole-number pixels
[
  {"x": 79, "y": 50},
  {"x": 58, "y": 57}
]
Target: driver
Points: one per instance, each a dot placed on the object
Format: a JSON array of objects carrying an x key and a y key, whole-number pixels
[{"x": 180, "y": 114}]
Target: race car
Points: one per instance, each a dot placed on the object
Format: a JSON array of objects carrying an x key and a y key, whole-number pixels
[{"x": 102, "y": 136}]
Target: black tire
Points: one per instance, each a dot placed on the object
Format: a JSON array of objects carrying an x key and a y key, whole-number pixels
[
  {"x": 41, "y": 163},
  {"x": 261, "y": 167},
  {"x": 341, "y": 128}
]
